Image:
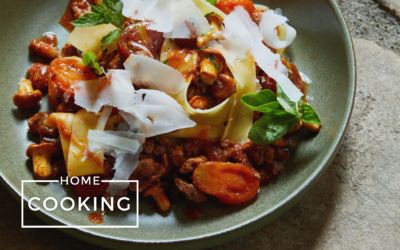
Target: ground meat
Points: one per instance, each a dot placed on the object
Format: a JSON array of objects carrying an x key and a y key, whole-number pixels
[
  {"x": 177, "y": 156},
  {"x": 38, "y": 74},
  {"x": 220, "y": 153},
  {"x": 147, "y": 172},
  {"x": 191, "y": 192},
  {"x": 37, "y": 126},
  {"x": 81, "y": 7},
  {"x": 193, "y": 148},
  {"x": 117, "y": 63},
  {"x": 269, "y": 170},
  {"x": 69, "y": 50},
  {"x": 281, "y": 155},
  {"x": 191, "y": 164},
  {"x": 257, "y": 115},
  {"x": 109, "y": 162},
  {"x": 135, "y": 36},
  {"x": 239, "y": 155},
  {"x": 161, "y": 147},
  {"x": 148, "y": 145},
  {"x": 259, "y": 154}
]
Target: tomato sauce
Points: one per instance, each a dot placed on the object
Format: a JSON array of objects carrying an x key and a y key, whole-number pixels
[
  {"x": 192, "y": 212},
  {"x": 95, "y": 218}
]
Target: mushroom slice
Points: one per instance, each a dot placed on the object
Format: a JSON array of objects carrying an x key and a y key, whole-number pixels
[{"x": 41, "y": 154}]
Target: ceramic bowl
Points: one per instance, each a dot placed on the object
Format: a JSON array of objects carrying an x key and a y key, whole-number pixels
[{"x": 323, "y": 50}]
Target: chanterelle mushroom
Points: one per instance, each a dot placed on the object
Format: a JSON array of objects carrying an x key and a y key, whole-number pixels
[
  {"x": 42, "y": 155},
  {"x": 216, "y": 24},
  {"x": 158, "y": 193},
  {"x": 26, "y": 97}
]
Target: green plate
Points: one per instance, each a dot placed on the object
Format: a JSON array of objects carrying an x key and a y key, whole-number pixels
[{"x": 323, "y": 50}]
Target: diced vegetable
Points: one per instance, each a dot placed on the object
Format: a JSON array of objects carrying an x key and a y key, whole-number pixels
[
  {"x": 230, "y": 183},
  {"x": 227, "y": 6},
  {"x": 67, "y": 72}
]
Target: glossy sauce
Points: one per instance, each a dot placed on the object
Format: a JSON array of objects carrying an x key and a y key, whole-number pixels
[
  {"x": 192, "y": 212},
  {"x": 95, "y": 218},
  {"x": 67, "y": 18}
]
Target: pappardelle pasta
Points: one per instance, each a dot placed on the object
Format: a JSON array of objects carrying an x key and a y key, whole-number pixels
[{"x": 188, "y": 97}]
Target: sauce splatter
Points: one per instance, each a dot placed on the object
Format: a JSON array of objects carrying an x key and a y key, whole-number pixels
[
  {"x": 95, "y": 218},
  {"x": 192, "y": 212}
]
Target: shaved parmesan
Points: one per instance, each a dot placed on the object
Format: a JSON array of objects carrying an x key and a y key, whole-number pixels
[
  {"x": 186, "y": 13},
  {"x": 265, "y": 58},
  {"x": 237, "y": 37},
  {"x": 125, "y": 147},
  {"x": 155, "y": 97},
  {"x": 154, "y": 74},
  {"x": 156, "y": 12},
  {"x": 105, "y": 114},
  {"x": 88, "y": 39},
  {"x": 153, "y": 120},
  {"x": 115, "y": 90},
  {"x": 305, "y": 78},
  {"x": 268, "y": 27},
  {"x": 124, "y": 166},
  {"x": 174, "y": 18},
  {"x": 115, "y": 141}
]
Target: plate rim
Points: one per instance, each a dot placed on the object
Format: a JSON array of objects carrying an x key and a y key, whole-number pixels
[{"x": 241, "y": 229}]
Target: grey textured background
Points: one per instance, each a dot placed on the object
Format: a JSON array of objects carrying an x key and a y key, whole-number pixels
[{"x": 356, "y": 203}]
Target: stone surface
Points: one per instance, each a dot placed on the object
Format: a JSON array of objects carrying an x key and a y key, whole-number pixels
[
  {"x": 393, "y": 6},
  {"x": 354, "y": 206},
  {"x": 366, "y": 19}
]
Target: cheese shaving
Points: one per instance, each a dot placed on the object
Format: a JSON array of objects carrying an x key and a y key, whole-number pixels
[
  {"x": 115, "y": 90},
  {"x": 151, "y": 73},
  {"x": 265, "y": 58},
  {"x": 153, "y": 120},
  {"x": 156, "y": 12},
  {"x": 269, "y": 21},
  {"x": 125, "y": 147},
  {"x": 175, "y": 18}
]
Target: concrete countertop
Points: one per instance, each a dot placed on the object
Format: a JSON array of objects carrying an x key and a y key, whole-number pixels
[{"x": 356, "y": 203}]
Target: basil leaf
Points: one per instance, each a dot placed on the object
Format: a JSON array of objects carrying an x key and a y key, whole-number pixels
[
  {"x": 309, "y": 115},
  {"x": 211, "y": 58},
  {"x": 109, "y": 11},
  {"x": 213, "y": 2},
  {"x": 272, "y": 126},
  {"x": 89, "y": 19},
  {"x": 110, "y": 38},
  {"x": 286, "y": 103},
  {"x": 266, "y": 108},
  {"x": 90, "y": 60},
  {"x": 255, "y": 100}
]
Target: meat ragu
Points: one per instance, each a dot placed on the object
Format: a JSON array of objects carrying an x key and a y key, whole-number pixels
[{"x": 198, "y": 124}]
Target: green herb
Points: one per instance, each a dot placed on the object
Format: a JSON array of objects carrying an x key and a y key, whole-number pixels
[
  {"x": 90, "y": 60},
  {"x": 151, "y": 119},
  {"x": 110, "y": 38},
  {"x": 115, "y": 125},
  {"x": 211, "y": 58},
  {"x": 281, "y": 115},
  {"x": 202, "y": 49},
  {"x": 213, "y": 2},
  {"x": 157, "y": 138},
  {"x": 272, "y": 126},
  {"x": 166, "y": 61},
  {"x": 207, "y": 15},
  {"x": 202, "y": 84},
  {"x": 207, "y": 31},
  {"x": 108, "y": 12}
]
